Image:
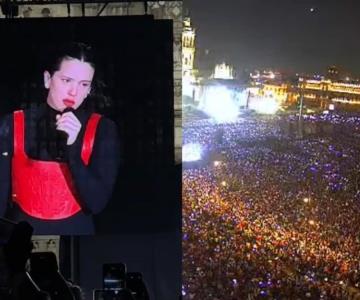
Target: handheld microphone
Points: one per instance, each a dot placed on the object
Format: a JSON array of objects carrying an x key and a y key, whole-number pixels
[
  {"x": 64, "y": 136},
  {"x": 63, "y": 133},
  {"x": 68, "y": 109}
]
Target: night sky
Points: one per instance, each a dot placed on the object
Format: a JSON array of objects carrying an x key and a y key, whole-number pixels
[{"x": 304, "y": 36}]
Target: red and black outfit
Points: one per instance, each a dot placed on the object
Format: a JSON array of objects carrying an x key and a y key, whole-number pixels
[{"x": 56, "y": 188}]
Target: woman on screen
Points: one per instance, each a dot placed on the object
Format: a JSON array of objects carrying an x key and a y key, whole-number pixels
[{"x": 59, "y": 160}]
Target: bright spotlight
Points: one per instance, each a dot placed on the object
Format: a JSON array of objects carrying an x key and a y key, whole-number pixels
[
  {"x": 265, "y": 106},
  {"x": 306, "y": 200},
  {"x": 219, "y": 103},
  {"x": 191, "y": 152},
  {"x": 223, "y": 183},
  {"x": 217, "y": 163}
]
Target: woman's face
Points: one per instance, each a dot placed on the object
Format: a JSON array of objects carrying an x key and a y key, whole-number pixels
[{"x": 70, "y": 85}]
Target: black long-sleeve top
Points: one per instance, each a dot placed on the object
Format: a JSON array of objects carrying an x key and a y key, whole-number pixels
[{"x": 94, "y": 183}]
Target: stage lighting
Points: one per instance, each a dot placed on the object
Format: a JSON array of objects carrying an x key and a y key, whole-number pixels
[
  {"x": 219, "y": 104},
  {"x": 191, "y": 152}
]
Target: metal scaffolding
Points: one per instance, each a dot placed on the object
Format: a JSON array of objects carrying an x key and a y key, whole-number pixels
[{"x": 10, "y": 8}]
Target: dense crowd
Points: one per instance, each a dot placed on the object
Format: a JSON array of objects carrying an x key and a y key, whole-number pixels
[{"x": 278, "y": 215}]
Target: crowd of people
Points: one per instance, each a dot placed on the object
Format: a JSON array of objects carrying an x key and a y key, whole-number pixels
[{"x": 273, "y": 212}]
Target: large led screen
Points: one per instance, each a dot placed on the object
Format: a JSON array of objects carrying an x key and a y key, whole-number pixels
[{"x": 86, "y": 124}]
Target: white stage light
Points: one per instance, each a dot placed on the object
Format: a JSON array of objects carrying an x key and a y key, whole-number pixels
[
  {"x": 219, "y": 103},
  {"x": 265, "y": 105},
  {"x": 191, "y": 152}
]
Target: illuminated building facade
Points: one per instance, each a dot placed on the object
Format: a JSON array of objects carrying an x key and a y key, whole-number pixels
[
  {"x": 188, "y": 48},
  {"x": 329, "y": 86},
  {"x": 334, "y": 91},
  {"x": 223, "y": 71},
  {"x": 317, "y": 93},
  {"x": 278, "y": 92},
  {"x": 265, "y": 76}
]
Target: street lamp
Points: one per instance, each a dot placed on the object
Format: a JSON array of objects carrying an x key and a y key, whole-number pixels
[{"x": 300, "y": 113}]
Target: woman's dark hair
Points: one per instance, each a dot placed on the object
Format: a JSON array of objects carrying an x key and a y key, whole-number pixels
[{"x": 68, "y": 51}]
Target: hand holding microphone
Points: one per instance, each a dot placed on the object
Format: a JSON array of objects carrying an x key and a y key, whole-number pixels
[{"x": 68, "y": 123}]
